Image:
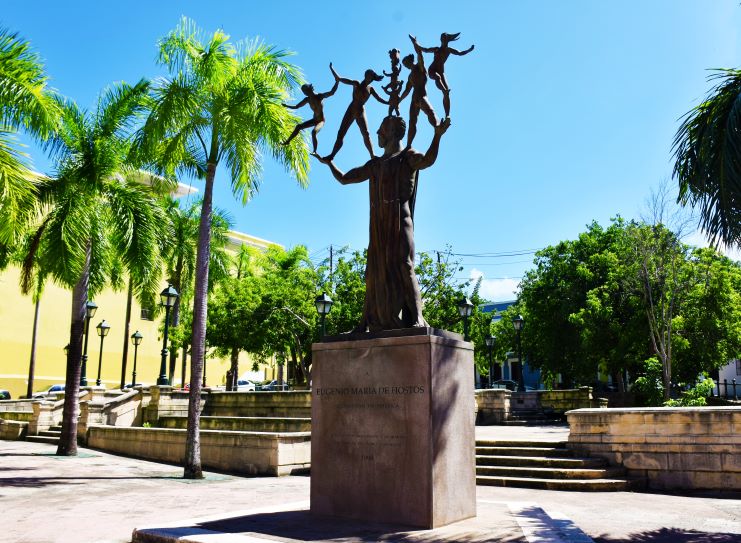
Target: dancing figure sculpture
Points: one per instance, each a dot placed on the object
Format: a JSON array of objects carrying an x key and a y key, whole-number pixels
[
  {"x": 437, "y": 67},
  {"x": 315, "y": 101},
  {"x": 361, "y": 91},
  {"x": 393, "y": 88},
  {"x": 417, "y": 84},
  {"x": 392, "y": 297}
]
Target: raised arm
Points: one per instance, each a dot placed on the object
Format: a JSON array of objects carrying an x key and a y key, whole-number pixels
[
  {"x": 331, "y": 91},
  {"x": 339, "y": 79},
  {"x": 461, "y": 53},
  {"x": 419, "y": 161},
  {"x": 356, "y": 175},
  {"x": 300, "y": 104},
  {"x": 374, "y": 94},
  {"x": 418, "y": 50}
]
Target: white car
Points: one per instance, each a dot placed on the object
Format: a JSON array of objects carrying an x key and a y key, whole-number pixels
[
  {"x": 51, "y": 393},
  {"x": 244, "y": 385}
]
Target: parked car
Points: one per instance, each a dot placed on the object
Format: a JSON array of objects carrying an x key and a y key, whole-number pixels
[
  {"x": 275, "y": 386},
  {"x": 50, "y": 393},
  {"x": 4, "y": 395},
  {"x": 244, "y": 385}
]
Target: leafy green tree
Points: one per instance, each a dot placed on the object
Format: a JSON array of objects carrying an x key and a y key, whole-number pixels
[
  {"x": 93, "y": 219},
  {"x": 709, "y": 325},
  {"x": 25, "y": 104},
  {"x": 221, "y": 102},
  {"x": 707, "y": 151},
  {"x": 267, "y": 311}
]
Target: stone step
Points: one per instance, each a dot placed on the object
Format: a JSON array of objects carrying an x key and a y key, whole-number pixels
[
  {"x": 519, "y": 443},
  {"x": 43, "y": 439},
  {"x": 540, "y": 461},
  {"x": 584, "y": 485},
  {"x": 548, "y": 452},
  {"x": 56, "y": 429},
  {"x": 51, "y": 433},
  {"x": 550, "y": 472}
]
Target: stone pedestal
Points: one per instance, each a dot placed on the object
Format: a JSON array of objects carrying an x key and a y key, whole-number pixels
[{"x": 393, "y": 430}]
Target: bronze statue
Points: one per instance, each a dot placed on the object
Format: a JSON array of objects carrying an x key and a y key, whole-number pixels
[
  {"x": 437, "y": 68},
  {"x": 393, "y": 88},
  {"x": 315, "y": 103},
  {"x": 417, "y": 84},
  {"x": 361, "y": 91},
  {"x": 392, "y": 297}
]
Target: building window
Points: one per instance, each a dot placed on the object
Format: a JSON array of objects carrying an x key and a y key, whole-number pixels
[
  {"x": 738, "y": 367},
  {"x": 146, "y": 315}
]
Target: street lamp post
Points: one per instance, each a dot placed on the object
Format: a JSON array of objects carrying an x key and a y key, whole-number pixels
[
  {"x": 490, "y": 340},
  {"x": 323, "y": 305},
  {"x": 518, "y": 322},
  {"x": 465, "y": 310},
  {"x": 136, "y": 339},
  {"x": 168, "y": 297},
  {"x": 90, "y": 309},
  {"x": 103, "y": 329}
]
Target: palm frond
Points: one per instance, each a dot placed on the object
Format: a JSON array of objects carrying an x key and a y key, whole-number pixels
[{"x": 707, "y": 150}]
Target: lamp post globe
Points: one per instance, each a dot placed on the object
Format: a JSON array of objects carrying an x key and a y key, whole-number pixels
[
  {"x": 168, "y": 297},
  {"x": 103, "y": 328},
  {"x": 136, "y": 339},
  {"x": 465, "y": 310},
  {"x": 518, "y": 322},
  {"x": 323, "y": 304},
  {"x": 90, "y": 308}
]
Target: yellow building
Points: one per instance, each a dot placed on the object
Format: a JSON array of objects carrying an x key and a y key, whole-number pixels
[{"x": 16, "y": 328}]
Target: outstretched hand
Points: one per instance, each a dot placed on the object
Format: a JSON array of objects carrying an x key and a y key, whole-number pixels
[
  {"x": 331, "y": 68},
  {"x": 413, "y": 38},
  {"x": 323, "y": 160},
  {"x": 443, "y": 126}
]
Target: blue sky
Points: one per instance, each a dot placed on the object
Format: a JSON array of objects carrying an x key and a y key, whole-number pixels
[{"x": 564, "y": 113}]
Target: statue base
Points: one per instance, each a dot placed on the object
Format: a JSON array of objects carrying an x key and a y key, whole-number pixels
[{"x": 392, "y": 435}]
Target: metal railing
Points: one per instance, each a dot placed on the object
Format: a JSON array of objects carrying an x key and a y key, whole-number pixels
[{"x": 727, "y": 390}]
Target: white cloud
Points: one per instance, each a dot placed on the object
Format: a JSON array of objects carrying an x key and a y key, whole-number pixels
[{"x": 498, "y": 290}]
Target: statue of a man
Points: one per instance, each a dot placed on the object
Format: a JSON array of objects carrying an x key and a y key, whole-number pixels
[{"x": 392, "y": 297}]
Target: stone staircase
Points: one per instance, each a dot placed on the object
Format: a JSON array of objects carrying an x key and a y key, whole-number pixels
[
  {"x": 50, "y": 436},
  {"x": 545, "y": 465},
  {"x": 533, "y": 417}
]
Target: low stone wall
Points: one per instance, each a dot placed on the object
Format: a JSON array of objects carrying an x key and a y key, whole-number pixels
[
  {"x": 673, "y": 448},
  {"x": 258, "y": 404},
  {"x": 242, "y": 424},
  {"x": 13, "y": 430},
  {"x": 566, "y": 400},
  {"x": 253, "y": 453},
  {"x": 21, "y": 416},
  {"x": 492, "y": 406}
]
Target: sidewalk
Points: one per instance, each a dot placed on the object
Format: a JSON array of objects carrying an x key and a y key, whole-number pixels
[{"x": 97, "y": 497}]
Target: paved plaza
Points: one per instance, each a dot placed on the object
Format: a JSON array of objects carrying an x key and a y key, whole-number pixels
[{"x": 98, "y": 497}]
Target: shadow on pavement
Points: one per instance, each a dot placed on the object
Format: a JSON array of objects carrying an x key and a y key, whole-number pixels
[
  {"x": 38, "y": 482},
  {"x": 672, "y": 535}
]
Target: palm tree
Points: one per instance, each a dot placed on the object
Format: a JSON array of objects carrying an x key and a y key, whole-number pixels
[
  {"x": 220, "y": 103},
  {"x": 707, "y": 149},
  {"x": 93, "y": 218},
  {"x": 180, "y": 258},
  {"x": 27, "y": 104}
]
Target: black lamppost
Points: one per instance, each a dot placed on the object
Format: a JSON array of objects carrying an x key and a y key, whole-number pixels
[
  {"x": 323, "y": 305},
  {"x": 490, "y": 340},
  {"x": 168, "y": 297},
  {"x": 90, "y": 309},
  {"x": 103, "y": 329},
  {"x": 136, "y": 339},
  {"x": 465, "y": 310},
  {"x": 518, "y": 322}
]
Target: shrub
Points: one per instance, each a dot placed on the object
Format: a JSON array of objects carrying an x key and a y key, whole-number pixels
[
  {"x": 649, "y": 388},
  {"x": 695, "y": 396}
]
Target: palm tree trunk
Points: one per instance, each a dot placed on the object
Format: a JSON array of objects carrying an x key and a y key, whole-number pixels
[
  {"x": 234, "y": 369},
  {"x": 32, "y": 361},
  {"x": 68, "y": 440},
  {"x": 193, "y": 468},
  {"x": 127, "y": 329}
]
